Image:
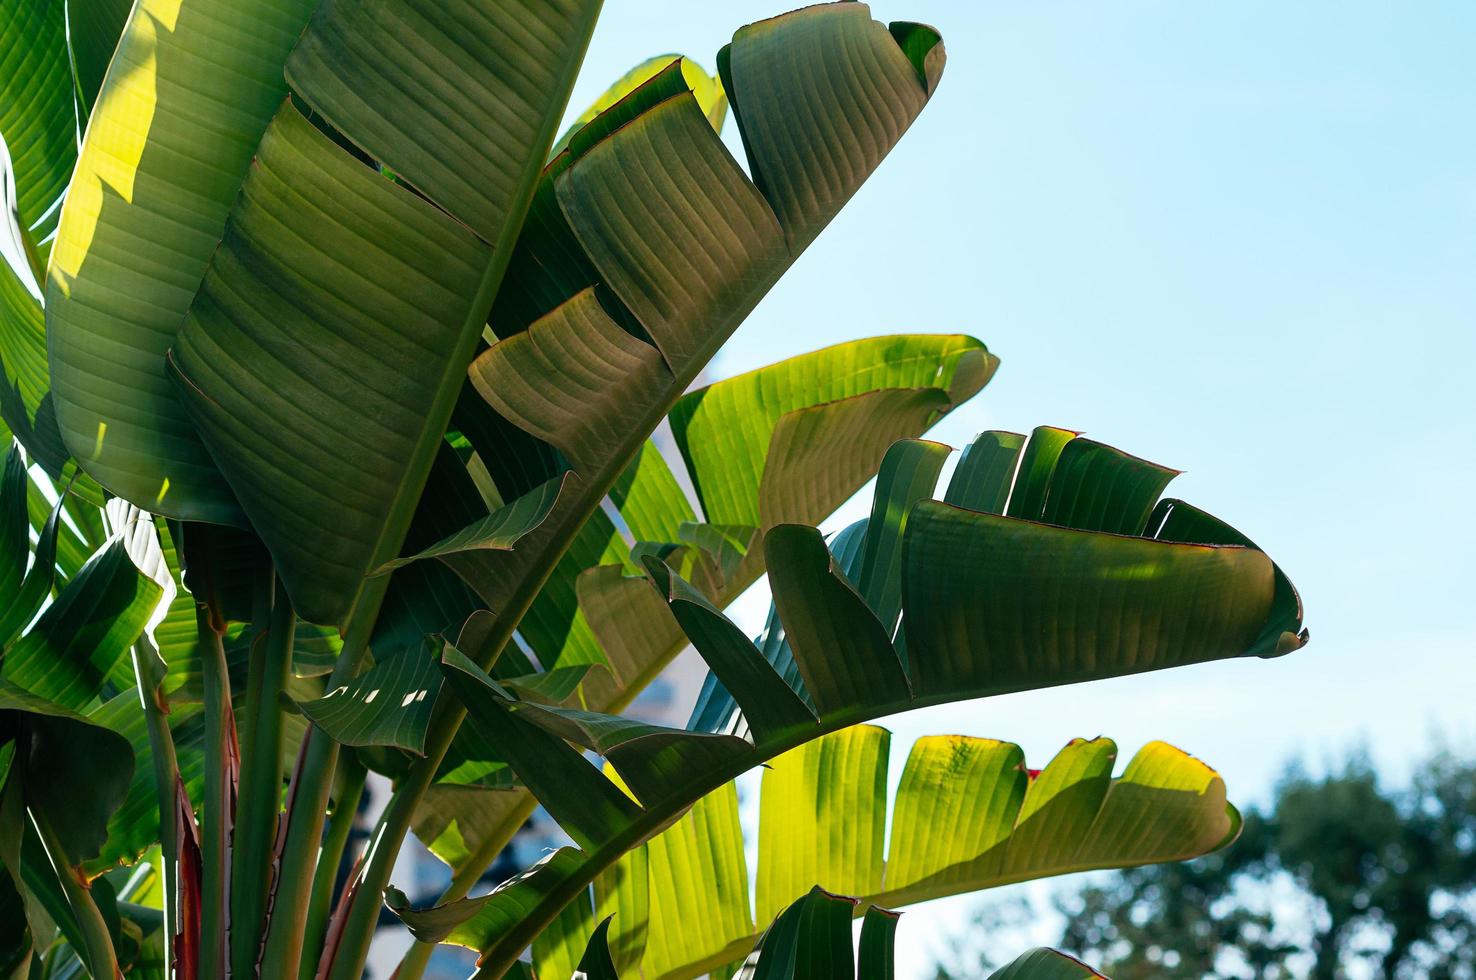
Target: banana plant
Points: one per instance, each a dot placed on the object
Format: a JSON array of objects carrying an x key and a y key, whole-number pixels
[{"x": 357, "y": 370}]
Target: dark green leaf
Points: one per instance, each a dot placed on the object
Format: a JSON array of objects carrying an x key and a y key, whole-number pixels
[
  {"x": 578, "y": 796},
  {"x": 596, "y": 963},
  {"x": 15, "y": 527},
  {"x": 843, "y": 651},
  {"x": 498, "y": 531},
  {"x": 74, "y": 771},
  {"x": 1028, "y": 497},
  {"x": 1174, "y": 520},
  {"x": 389, "y": 704},
  {"x": 909, "y": 472},
  {"x": 995, "y": 605},
  {"x": 654, "y": 762},
  {"x": 808, "y": 83},
  {"x": 83, "y": 635},
  {"x": 1099, "y": 488},
  {"x": 771, "y": 704},
  {"x": 37, "y": 117},
  {"x": 93, "y": 27},
  {"x": 1046, "y": 964},
  {"x": 26, "y": 601},
  {"x": 810, "y": 940},
  {"x": 985, "y": 472},
  {"x": 875, "y": 956}
]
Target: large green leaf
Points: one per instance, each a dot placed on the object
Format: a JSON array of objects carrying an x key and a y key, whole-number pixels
[
  {"x": 68, "y": 654},
  {"x": 1174, "y": 520},
  {"x": 169, "y": 141},
  {"x": 996, "y": 604},
  {"x": 25, "y": 401},
  {"x": 74, "y": 771},
  {"x": 458, "y": 98},
  {"x": 261, "y": 316},
  {"x": 93, "y": 28},
  {"x": 967, "y": 815},
  {"x": 498, "y": 531},
  {"x": 388, "y": 704},
  {"x": 908, "y": 473},
  {"x": 22, "y": 605},
  {"x": 44, "y": 48},
  {"x": 37, "y": 118},
  {"x": 501, "y": 907},
  {"x": 844, "y": 653},
  {"x": 585, "y": 803},
  {"x": 823, "y": 819},
  {"x": 134, "y": 826},
  {"x": 776, "y": 707},
  {"x": 985, "y": 471},
  {"x": 1110, "y": 496},
  {"x": 708, "y": 90},
  {"x": 597, "y": 963},
  {"x": 15, "y": 527},
  {"x": 455, "y": 822},
  {"x": 810, "y": 938},
  {"x": 340, "y": 302},
  {"x": 989, "y": 604},
  {"x": 836, "y": 48},
  {"x": 726, "y": 431}
]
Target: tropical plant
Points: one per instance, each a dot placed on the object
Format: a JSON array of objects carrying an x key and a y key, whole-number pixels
[{"x": 352, "y": 382}]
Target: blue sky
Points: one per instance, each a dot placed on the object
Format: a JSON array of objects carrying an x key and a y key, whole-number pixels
[{"x": 1236, "y": 238}]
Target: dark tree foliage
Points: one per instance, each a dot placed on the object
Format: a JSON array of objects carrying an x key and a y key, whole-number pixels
[{"x": 1339, "y": 877}]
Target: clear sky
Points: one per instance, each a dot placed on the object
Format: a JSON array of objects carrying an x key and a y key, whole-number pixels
[{"x": 1236, "y": 238}]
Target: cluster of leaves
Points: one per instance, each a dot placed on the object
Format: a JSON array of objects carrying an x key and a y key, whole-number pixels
[{"x": 350, "y": 372}]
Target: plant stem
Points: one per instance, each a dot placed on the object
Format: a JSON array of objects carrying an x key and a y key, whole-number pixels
[
  {"x": 395, "y": 822},
  {"x": 97, "y": 944},
  {"x": 309, "y": 793},
  {"x": 363, "y": 914},
  {"x": 148, "y": 671},
  {"x": 351, "y": 775},
  {"x": 220, "y": 764},
  {"x": 260, "y": 795}
]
